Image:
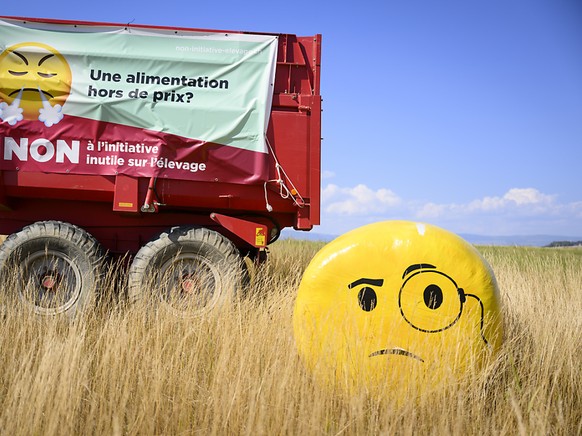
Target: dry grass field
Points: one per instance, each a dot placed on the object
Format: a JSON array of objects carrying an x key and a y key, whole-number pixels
[{"x": 134, "y": 371}]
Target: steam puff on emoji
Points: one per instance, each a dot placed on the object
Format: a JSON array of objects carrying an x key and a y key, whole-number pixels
[
  {"x": 35, "y": 82},
  {"x": 396, "y": 307}
]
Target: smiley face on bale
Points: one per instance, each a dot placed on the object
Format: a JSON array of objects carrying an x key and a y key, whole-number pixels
[{"x": 396, "y": 305}]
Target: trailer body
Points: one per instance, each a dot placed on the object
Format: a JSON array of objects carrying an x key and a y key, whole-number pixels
[{"x": 127, "y": 130}]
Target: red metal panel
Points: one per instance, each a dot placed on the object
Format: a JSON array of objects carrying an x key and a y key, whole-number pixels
[
  {"x": 253, "y": 233},
  {"x": 125, "y": 198}
]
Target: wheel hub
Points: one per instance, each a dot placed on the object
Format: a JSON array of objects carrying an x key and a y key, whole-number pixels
[
  {"x": 188, "y": 285},
  {"x": 49, "y": 282}
]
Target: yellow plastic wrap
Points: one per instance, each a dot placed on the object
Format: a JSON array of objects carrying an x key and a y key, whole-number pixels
[{"x": 396, "y": 305}]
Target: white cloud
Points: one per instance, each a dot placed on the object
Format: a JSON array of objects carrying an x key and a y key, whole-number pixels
[
  {"x": 517, "y": 211},
  {"x": 359, "y": 200},
  {"x": 528, "y": 196},
  {"x": 515, "y": 200},
  {"x": 520, "y": 197}
]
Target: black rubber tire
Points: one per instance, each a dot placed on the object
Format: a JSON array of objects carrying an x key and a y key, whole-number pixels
[
  {"x": 54, "y": 268},
  {"x": 186, "y": 270}
]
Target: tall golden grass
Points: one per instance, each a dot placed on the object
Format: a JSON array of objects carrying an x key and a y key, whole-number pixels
[{"x": 132, "y": 370}]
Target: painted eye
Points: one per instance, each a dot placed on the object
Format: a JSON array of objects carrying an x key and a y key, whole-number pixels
[
  {"x": 433, "y": 297},
  {"x": 367, "y": 299},
  {"x": 430, "y": 301},
  {"x": 18, "y": 73},
  {"x": 47, "y": 75}
]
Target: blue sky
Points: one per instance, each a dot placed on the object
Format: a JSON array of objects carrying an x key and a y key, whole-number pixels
[{"x": 462, "y": 113}]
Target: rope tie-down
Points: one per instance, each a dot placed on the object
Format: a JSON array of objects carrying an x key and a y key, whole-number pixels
[{"x": 282, "y": 180}]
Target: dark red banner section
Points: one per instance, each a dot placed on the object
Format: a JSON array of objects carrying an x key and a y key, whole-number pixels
[{"x": 83, "y": 146}]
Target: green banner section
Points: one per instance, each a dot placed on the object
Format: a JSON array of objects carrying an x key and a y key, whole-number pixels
[{"x": 212, "y": 87}]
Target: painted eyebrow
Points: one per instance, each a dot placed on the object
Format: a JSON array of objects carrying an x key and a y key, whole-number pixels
[
  {"x": 417, "y": 266},
  {"x": 20, "y": 56},
  {"x": 45, "y": 58},
  {"x": 364, "y": 281}
]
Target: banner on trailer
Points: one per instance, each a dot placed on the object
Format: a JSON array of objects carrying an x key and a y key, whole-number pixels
[{"x": 100, "y": 99}]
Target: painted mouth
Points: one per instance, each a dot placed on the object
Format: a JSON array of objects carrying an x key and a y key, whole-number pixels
[
  {"x": 398, "y": 352},
  {"x": 48, "y": 94}
]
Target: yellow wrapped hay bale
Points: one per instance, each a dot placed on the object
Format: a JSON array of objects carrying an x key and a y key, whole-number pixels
[{"x": 394, "y": 306}]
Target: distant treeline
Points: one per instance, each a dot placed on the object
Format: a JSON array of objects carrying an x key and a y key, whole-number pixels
[{"x": 564, "y": 244}]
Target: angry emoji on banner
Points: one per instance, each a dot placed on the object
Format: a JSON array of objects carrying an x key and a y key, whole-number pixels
[
  {"x": 396, "y": 307},
  {"x": 35, "y": 82}
]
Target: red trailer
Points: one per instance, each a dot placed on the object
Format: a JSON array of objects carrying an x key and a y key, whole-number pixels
[{"x": 190, "y": 149}]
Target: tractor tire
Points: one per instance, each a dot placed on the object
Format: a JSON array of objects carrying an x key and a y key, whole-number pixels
[
  {"x": 186, "y": 270},
  {"x": 52, "y": 268}
]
